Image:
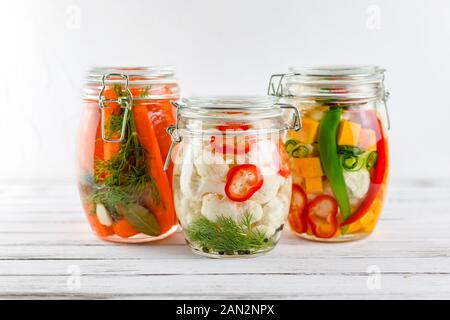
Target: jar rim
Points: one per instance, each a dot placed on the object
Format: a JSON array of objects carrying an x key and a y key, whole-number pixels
[
  {"x": 245, "y": 103},
  {"x": 344, "y": 71},
  {"x": 136, "y": 74},
  {"x": 230, "y": 107},
  {"x": 238, "y": 110},
  {"x": 156, "y": 82},
  {"x": 355, "y": 84}
]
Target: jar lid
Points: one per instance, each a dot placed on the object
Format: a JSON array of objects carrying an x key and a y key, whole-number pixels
[
  {"x": 230, "y": 106},
  {"x": 342, "y": 83},
  {"x": 155, "y": 82},
  {"x": 203, "y": 116},
  {"x": 234, "y": 108}
]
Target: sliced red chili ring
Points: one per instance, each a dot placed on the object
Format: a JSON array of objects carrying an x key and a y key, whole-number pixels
[
  {"x": 297, "y": 210},
  {"x": 322, "y": 216},
  {"x": 282, "y": 160},
  {"x": 243, "y": 181}
]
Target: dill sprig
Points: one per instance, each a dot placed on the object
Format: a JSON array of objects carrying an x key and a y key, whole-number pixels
[{"x": 226, "y": 235}]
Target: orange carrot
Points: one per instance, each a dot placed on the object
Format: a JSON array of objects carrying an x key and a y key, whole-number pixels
[
  {"x": 161, "y": 113},
  {"x": 164, "y": 210},
  {"x": 124, "y": 229}
]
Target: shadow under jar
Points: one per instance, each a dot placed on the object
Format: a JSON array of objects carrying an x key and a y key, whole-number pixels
[
  {"x": 339, "y": 159},
  {"x": 122, "y": 145},
  {"x": 232, "y": 179}
]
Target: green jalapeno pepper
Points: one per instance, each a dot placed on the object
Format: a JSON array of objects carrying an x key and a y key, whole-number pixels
[{"x": 330, "y": 158}]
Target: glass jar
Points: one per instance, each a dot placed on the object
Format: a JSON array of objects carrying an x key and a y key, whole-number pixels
[
  {"x": 231, "y": 182},
  {"x": 339, "y": 159},
  {"x": 122, "y": 145}
]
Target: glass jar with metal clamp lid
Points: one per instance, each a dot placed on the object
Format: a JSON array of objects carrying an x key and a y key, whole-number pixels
[
  {"x": 122, "y": 145},
  {"x": 232, "y": 179},
  {"x": 340, "y": 158}
]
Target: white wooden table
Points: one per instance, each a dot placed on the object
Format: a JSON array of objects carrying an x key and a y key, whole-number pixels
[{"x": 47, "y": 250}]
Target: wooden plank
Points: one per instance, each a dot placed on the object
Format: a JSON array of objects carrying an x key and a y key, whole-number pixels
[
  {"x": 43, "y": 234},
  {"x": 226, "y": 286}
]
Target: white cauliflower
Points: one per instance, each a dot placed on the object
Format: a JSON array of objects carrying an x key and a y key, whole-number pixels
[
  {"x": 187, "y": 210},
  {"x": 357, "y": 182},
  {"x": 211, "y": 165},
  {"x": 190, "y": 181},
  {"x": 262, "y": 155},
  {"x": 269, "y": 189},
  {"x": 214, "y": 206},
  {"x": 275, "y": 212},
  {"x": 266, "y": 230}
]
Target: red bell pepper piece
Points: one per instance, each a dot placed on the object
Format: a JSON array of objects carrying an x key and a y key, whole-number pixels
[
  {"x": 322, "y": 216},
  {"x": 281, "y": 160},
  {"x": 297, "y": 210},
  {"x": 243, "y": 181},
  {"x": 379, "y": 172}
]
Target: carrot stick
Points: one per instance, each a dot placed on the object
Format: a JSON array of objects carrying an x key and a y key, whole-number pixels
[
  {"x": 124, "y": 229},
  {"x": 161, "y": 113},
  {"x": 164, "y": 210}
]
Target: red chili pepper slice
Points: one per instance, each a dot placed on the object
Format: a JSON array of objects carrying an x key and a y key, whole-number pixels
[
  {"x": 243, "y": 181},
  {"x": 281, "y": 160},
  {"x": 231, "y": 144},
  {"x": 233, "y": 127},
  {"x": 379, "y": 172},
  {"x": 297, "y": 210},
  {"x": 322, "y": 216}
]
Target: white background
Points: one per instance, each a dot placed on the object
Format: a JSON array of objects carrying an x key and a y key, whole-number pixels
[{"x": 221, "y": 46}]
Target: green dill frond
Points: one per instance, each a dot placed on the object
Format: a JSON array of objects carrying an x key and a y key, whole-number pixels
[{"x": 226, "y": 235}]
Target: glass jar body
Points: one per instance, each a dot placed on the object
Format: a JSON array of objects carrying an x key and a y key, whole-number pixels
[
  {"x": 126, "y": 194},
  {"x": 232, "y": 188},
  {"x": 339, "y": 163}
]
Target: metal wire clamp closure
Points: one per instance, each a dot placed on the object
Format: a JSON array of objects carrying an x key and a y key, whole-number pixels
[
  {"x": 277, "y": 91},
  {"x": 172, "y": 130},
  {"x": 296, "y": 119},
  {"x": 124, "y": 102}
]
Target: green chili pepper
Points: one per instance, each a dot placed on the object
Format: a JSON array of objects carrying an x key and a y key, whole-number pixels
[
  {"x": 351, "y": 163},
  {"x": 350, "y": 150},
  {"x": 300, "y": 151},
  {"x": 330, "y": 159},
  {"x": 371, "y": 160},
  {"x": 290, "y": 145}
]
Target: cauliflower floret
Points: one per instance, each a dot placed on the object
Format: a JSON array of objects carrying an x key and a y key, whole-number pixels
[
  {"x": 187, "y": 210},
  {"x": 275, "y": 212},
  {"x": 357, "y": 182},
  {"x": 267, "y": 231},
  {"x": 190, "y": 181},
  {"x": 214, "y": 206},
  {"x": 194, "y": 186},
  {"x": 261, "y": 154},
  {"x": 212, "y": 165},
  {"x": 269, "y": 189}
]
